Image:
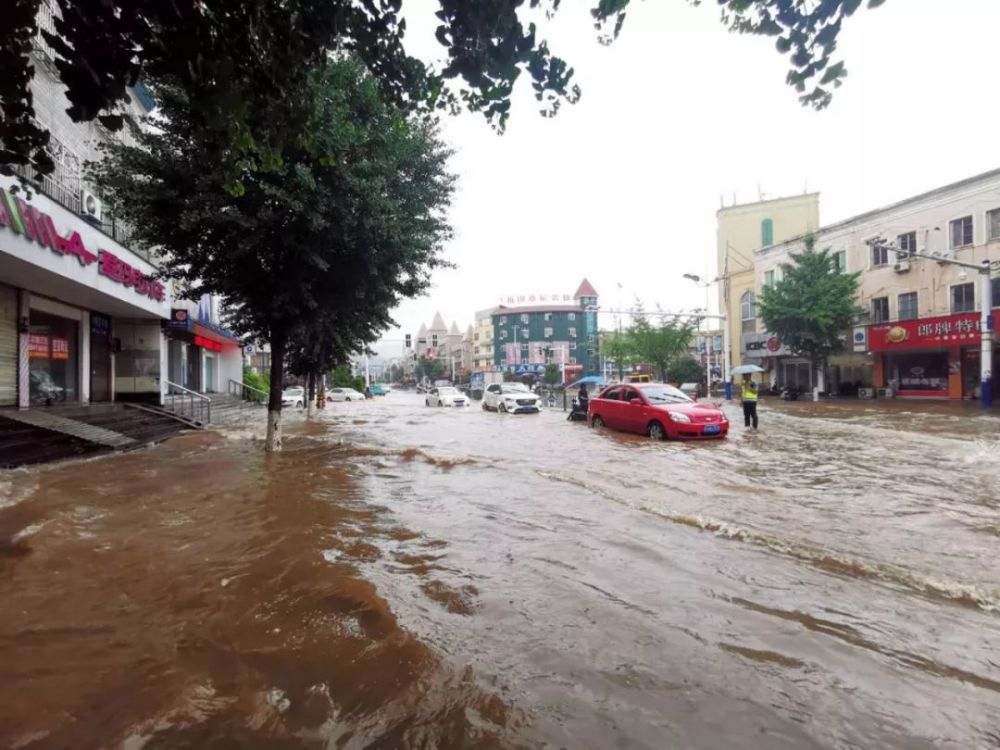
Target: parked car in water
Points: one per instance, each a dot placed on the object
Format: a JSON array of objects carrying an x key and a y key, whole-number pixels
[
  {"x": 512, "y": 398},
  {"x": 658, "y": 410},
  {"x": 691, "y": 389},
  {"x": 446, "y": 396},
  {"x": 294, "y": 396},
  {"x": 344, "y": 394}
]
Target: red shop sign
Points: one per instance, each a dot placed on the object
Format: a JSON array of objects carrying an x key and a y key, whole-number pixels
[
  {"x": 925, "y": 333},
  {"x": 38, "y": 346},
  {"x": 204, "y": 343}
]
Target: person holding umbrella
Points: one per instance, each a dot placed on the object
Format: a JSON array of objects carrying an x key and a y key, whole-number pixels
[{"x": 748, "y": 393}]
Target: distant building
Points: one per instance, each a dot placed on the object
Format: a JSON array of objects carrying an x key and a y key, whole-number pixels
[
  {"x": 743, "y": 230},
  {"x": 482, "y": 341},
  {"x": 530, "y": 332}
]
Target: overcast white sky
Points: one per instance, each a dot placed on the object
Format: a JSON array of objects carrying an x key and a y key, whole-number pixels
[{"x": 678, "y": 113}]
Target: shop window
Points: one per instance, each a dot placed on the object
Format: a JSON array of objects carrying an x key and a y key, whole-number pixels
[
  {"x": 995, "y": 292},
  {"x": 920, "y": 372},
  {"x": 907, "y": 243},
  {"x": 908, "y": 306},
  {"x": 53, "y": 359},
  {"x": 961, "y": 232},
  {"x": 963, "y": 298},
  {"x": 880, "y": 309}
]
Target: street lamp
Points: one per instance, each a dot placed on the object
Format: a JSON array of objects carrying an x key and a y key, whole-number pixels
[
  {"x": 985, "y": 317},
  {"x": 726, "y": 353}
]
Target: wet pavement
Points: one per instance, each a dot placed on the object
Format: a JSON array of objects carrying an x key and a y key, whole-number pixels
[{"x": 409, "y": 577}]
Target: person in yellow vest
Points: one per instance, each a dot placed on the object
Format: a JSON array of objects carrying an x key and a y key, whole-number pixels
[{"x": 749, "y": 398}]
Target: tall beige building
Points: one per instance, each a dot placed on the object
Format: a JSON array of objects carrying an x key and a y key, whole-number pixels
[{"x": 743, "y": 230}]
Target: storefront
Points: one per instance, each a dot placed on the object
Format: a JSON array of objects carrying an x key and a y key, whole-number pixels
[
  {"x": 202, "y": 355},
  {"x": 930, "y": 357},
  {"x": 79, "y": 314}
]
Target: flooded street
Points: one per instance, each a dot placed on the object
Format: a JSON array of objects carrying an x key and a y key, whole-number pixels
[{"x": 409, "y": 577}]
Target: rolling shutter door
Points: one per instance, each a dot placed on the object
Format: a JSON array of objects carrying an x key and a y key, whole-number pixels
[{"x": 8, "y": 346}]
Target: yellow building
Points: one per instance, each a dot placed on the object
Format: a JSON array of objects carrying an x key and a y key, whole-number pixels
[
  {"x": 744, "y": 229},
  {"x": 482, "y": 341}
]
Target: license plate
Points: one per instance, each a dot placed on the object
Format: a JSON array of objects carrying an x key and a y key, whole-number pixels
[{"x": 712, "y": 429}]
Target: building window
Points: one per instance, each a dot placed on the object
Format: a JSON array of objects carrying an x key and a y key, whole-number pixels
[
  {"x": 503, "y": 334},
  {"x": 548, "y": 317},
  {"x": 961, "y": 232},
  {"x": 572, "y": 333},
  {"x": 548, "y": 333},
  {"x": 748, "y": 312},
  {"x": 907, "y": 243},
  {"x": 907, "y": 304},
  {"x": 880, "y": 309},
  {"x": 524, "y": 318},
  {"x": 571, "y": 316},
  {"x": 963, "y": 298},
  {"x": 766, "y": 233},
  {"x": 768, "y": 279},
  {"x": 840, "y": 260},
  {"x": 503, "y": 320},
  {"x": 525, "y": 333},
  {"x": 434, "y": 340},
  {"x": 880, "y": 255},
  {"x": 993, "y": 223}
]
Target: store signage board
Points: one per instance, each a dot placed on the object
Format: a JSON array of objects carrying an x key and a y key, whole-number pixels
[
  {"x": 927, "y": 333},
  {"x": 535, "y": 299},
  {"x": 38, "y": 346},
  {"x": 204, "y": 343},
  {"x": 18, "y": 216}
]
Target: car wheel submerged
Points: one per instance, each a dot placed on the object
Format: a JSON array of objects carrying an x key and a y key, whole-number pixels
[
  {"x": 656, "y": 431},
  {"x": 597, "y": 423}
]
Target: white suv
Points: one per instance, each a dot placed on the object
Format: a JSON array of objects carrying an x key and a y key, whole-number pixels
[{"x": 510, "y": 397}]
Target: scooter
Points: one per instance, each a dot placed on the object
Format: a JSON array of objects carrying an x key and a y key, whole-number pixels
[
  {"x": 578, "y": 413},
  {"x": 790, "y": 393}
]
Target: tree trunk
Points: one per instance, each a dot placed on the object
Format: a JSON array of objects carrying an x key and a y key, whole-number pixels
[
  {"x": 272, "y": 443},
  {"x": 311, "y": 395}
]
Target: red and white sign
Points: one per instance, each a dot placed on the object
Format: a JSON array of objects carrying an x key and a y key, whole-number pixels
[
  {"x": 38, "y": 227},
  {"x": 38, "y": 346},
  {"x": 60, "y": 348},
  {"x": 927, "y": 333}
]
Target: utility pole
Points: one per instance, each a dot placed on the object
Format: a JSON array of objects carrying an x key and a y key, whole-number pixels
[{"x": 984, "y": 270}]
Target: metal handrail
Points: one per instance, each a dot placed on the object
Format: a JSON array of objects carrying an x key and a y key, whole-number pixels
[
  {"x": 189, "y": 399},
  {"x": 239, "y": 389}
]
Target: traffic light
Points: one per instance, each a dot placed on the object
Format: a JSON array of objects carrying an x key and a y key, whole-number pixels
[{"x": 409, "y": 341}]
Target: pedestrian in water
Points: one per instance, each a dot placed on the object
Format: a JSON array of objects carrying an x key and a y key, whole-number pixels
[{"x": 749, "y": 397}]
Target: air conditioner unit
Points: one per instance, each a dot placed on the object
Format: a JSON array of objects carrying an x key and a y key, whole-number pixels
[
  {"x": 901, "y": 266},
  {"x": 90, "y": 206}
]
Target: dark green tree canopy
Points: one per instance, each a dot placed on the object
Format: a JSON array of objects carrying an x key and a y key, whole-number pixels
[
  {"x": 813, "y": 305},
  {"x": 215, "y": 50},
  {"x": 661, "y": 342},
  {"x": 312, "y": 254}
]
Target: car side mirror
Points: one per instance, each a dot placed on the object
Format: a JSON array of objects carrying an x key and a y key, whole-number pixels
[{"x": 636, "y": 402}]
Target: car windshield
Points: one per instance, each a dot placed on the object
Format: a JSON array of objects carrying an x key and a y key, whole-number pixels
[
  {"x": 665, "y": 394},
  {"x": 447, "y": 391},
  {"x": 514, "y": 388}
]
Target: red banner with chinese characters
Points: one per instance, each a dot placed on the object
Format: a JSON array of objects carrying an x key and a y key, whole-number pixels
[
  {"x": 927, "y": 333},
  {"x": 38, "y": 346},
  {"x": 60, "y": 348}
]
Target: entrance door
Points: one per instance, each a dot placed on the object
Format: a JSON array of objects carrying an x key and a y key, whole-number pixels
[
  {"x": 209, "y": 374},
  {"x": 52, "y": 359},
  {"x": 100, "y": 357}
]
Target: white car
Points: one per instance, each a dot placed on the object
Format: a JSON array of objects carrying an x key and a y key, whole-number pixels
[
  {"x": 446, "y": 396},
  {"x": 294, "y": 396},
  {"x": 510, "y": 398},
  {"x": 344, "y": 394}
]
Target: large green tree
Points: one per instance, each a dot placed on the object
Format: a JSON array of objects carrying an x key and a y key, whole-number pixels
[
  {"x": 216, "y": 50},
  {"x": 660, "y": 340},
  {"x": 321, "y": 246},
  {"x": 813, "y": 306},
  {"x": 618, "y": 348}
]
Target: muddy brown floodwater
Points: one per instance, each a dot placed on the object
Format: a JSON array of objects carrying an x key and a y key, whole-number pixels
[{"x": 409, "y": 577}]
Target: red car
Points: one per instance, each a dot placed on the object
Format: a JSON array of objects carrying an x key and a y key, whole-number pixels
[{"x": 658, "y": 410}]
